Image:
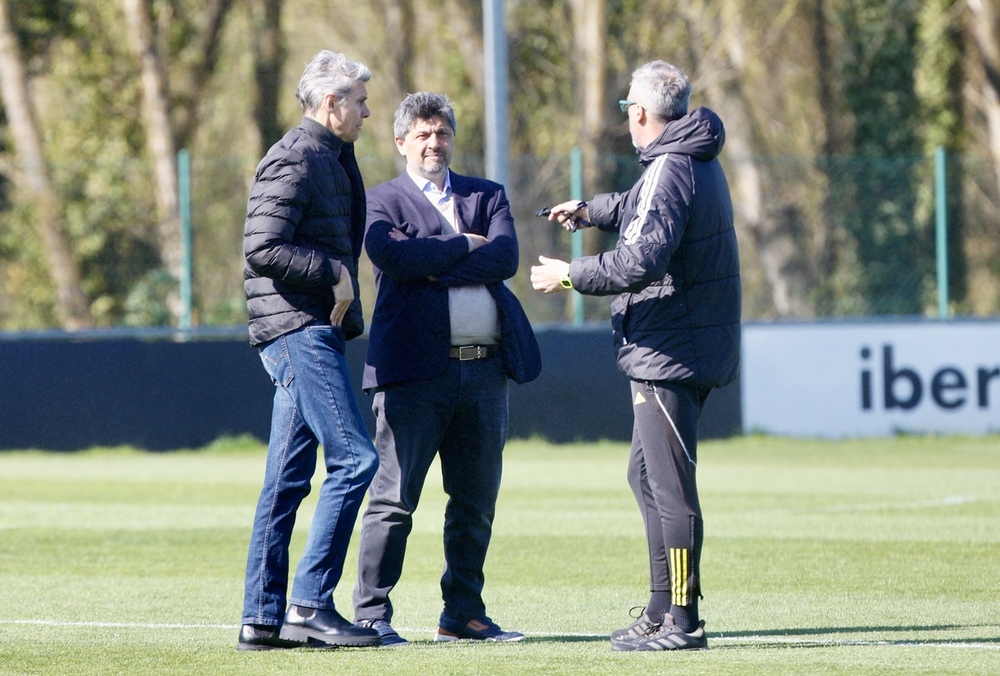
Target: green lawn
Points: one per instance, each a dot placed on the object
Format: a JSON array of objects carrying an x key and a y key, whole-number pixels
[{"x": 861, "y": 557}]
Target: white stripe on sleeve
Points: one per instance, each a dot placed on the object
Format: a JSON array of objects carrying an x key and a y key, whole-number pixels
[{"x": 649, "y": 182}]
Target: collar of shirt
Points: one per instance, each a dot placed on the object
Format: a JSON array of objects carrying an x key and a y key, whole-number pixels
[{"x": 438, "y": 198}]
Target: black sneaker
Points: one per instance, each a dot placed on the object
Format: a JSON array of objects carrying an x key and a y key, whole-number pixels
[
  {"x": 385, "y": 631},
  {"x": 643, "y": 626},
  {"x": 669, "y": 637},
  {"x": 482, "y": 629}
]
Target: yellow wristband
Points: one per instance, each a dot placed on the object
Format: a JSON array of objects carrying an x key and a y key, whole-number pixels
[{"x": 566, "y": 282}]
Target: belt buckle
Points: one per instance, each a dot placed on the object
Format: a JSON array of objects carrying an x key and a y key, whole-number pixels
[{"x": 475, "y": 355}]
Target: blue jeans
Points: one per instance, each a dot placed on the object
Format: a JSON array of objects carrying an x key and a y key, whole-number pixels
[
  {"x": 313, "y": 405},
  {"x": 462, "y": 416}
]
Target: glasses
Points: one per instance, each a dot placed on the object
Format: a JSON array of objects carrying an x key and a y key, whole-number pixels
[{"x": 625, "y": 103}]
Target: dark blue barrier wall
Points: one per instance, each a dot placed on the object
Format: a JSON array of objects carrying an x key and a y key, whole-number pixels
[{"x": 69, "y": 393}]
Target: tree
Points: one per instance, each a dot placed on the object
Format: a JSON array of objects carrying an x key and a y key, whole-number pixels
[
  {"x": 589, "y": 30},
  {"x": 985, "y": 23},
  {"x": 268, "y": 60},
  {"x": 832, "y": 143},
  {"x": 729, "y": 50},
  {"x": 159, "y": 139},
  {"x": 166, "y": 135},
  {"x": 34, "y": 178},
  {"x": 831, "y": 109},
  {"x": 940, "y": 79},
  {"x": 890, "y": 250},
  {"x": 398, "y": 68},
  {"x": 982, "y": 25}
]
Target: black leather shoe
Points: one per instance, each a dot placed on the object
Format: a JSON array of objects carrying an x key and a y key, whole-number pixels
[
  {"x": 325, "y": 628},
  {"x": 262, "y": 637}
]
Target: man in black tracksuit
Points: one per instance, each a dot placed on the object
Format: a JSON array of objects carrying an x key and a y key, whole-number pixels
[{"x": 675, "y": 286}]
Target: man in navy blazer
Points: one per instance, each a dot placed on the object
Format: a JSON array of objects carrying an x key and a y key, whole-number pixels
[{"x": 446, "y": 334}]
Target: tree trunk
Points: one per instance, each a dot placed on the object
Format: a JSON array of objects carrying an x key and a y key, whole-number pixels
[
  {"x": 829, "y": 244},
  {"x": 187, "y": 88},
  {"x": 467, "y": 29},
  {"x": 892, "y": 263},
  {"x": 775, "y": 231},
  {"x": 268, "y": 59},
  {"x": 986, "y": 34},
  {"x": 590, "y": 38},
  {"x": 159, "y": 140},
  {"x": 399, "y": 48},
  {"x": 939, "y": 83},
  {"x": 777, "y": 250},
  {"x": 71, "y": 305}
]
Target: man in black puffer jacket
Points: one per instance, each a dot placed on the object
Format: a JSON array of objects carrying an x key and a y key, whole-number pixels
[
  {"x": 302, "y": 239},
  {"x": 675, "y": 280}
]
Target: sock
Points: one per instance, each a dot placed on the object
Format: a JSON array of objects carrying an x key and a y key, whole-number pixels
[
  {"x": 685, "y": 617},
  {"x": 659, "y": 604}
]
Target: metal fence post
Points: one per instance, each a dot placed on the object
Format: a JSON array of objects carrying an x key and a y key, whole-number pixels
[
  {"x": 576, "y": 239},
  {"x": 495, "y": 72},
  {"x": 941, "y": 229},
  {"x": 184, "y": 204}
]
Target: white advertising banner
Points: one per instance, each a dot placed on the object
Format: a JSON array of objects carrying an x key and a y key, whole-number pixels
[{"x": 871, "y": 379}]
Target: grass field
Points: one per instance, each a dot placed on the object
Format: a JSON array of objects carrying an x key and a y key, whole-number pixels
[{"x": 861, "y": 557}]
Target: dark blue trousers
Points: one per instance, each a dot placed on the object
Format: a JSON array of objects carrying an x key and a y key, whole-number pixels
[{"x": 461, "y": 416}]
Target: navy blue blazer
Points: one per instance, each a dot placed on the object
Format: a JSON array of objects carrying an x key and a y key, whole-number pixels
[{"x": 416, "y": 263}]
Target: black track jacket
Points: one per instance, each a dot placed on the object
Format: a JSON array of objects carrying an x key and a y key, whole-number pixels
[{"x": 675, "y": 270}]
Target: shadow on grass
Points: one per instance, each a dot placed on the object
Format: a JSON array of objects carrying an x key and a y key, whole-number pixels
[
  {"x": 787, "y": 638},
  {"x": 798, "y": 638},
  {"x": 567, "y": 638}
]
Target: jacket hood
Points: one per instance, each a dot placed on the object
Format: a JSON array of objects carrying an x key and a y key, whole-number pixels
[{"x": 699, "y": 134}]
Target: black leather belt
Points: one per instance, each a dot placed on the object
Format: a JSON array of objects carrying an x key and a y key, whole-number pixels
[{"x": 470, "y": 352}]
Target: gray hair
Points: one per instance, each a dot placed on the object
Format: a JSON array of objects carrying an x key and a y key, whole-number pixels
[
  {"x": 329, "y": 73},
  {"x": 422, "y": 106},
  {"x": 664, "y": 87}
]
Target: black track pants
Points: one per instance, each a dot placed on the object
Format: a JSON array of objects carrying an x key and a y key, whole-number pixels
[{"x": 661, "y": 472}]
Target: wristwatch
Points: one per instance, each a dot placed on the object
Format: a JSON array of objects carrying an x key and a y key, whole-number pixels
[{"x": 566, "y": 282}]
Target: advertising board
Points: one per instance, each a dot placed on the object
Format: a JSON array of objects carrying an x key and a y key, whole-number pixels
[{"x": 862, "y": 379}]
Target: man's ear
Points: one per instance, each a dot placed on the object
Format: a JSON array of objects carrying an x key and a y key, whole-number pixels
[{"x": 399, "y": 145}]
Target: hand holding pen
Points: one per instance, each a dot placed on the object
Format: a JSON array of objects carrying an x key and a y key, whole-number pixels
[{"x": 571, "y": 215}]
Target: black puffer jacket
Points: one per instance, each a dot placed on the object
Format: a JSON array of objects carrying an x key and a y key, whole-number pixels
[
  {"x": 304, "y": 228},
  {"x": 675, "y": 269}
]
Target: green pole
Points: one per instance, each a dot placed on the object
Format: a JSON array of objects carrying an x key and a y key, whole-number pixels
[
  {"x": 576, "y": 239},
  {"x": 941, "y": 229},
  {"x": 184, "y": 199}
]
